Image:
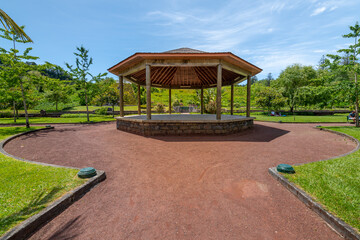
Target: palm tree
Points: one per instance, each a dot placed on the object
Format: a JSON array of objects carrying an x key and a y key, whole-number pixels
[{"x": 9, "y": 24}]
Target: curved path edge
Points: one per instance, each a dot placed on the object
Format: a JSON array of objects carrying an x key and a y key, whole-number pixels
[
  {"x": 28, "y": 227},
  {"x": 336, "y": 223}
]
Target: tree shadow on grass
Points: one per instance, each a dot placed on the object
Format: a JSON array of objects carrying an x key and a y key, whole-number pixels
[{"x": 35, "y": 205}]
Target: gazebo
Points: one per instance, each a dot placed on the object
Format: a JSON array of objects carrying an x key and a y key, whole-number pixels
[{"x": 183, "y": 68}]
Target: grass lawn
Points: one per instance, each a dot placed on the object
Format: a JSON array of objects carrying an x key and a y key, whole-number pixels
[
  {"x": 75, "y": 118},
  {"x": 301, "y": 118},
  {"x": 334, "y": 183},
  {"x": 27, "y": 188}
]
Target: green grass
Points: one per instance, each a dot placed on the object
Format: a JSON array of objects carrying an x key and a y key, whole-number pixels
[
  {"x": 78, "y": 118},
  {"x": 334, "y": 183},
  {"x": 301, "y": 118},
  {"x": 26, "y": 188}
]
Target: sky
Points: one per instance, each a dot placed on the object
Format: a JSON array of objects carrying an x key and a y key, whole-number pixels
[{"x": 270, "y": 34}]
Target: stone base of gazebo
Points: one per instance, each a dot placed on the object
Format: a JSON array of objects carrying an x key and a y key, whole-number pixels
[{"x": 183, "y": 124}]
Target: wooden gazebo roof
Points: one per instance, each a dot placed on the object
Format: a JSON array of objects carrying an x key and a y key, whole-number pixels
[{"x": 185, "y": 68}]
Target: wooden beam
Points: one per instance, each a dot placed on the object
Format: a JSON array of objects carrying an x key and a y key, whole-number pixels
[
  {"x": 183, "y": 62},
  {"x": 248, "y": 96},
  {"x": 148, "y": 93},
  {"x": 169, "y": 100},
  {"x": 139, "y": 99},
  {"x": 121, "y": 100},
  {"x": 202, "y": 101},
  {"x": 133, "y": 69},
  {"x": 232, "y": 100},
  {"x": 235, "y": 69},
  {"x": 218, "y": 94}
]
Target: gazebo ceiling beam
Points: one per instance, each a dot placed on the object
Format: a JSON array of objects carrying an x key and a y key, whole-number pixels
[
  {"x": 201, "y": 76},
  {"x": 182, "y": 62},
  {"x": 235, "y": 69},
  {"x": 170, "y": 76},
  {"x": 134, "y": 69}
]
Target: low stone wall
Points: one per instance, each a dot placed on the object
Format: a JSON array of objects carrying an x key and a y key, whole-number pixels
[{"x": 156, "y": 128}]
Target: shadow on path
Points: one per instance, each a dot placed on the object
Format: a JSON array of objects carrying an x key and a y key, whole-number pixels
[
  {"x": 67, "y": 230},
  {"x": 259, "y": 133}
]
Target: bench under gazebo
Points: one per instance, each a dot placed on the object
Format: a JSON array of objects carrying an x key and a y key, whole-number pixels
[{"x": 184, "y": 68}]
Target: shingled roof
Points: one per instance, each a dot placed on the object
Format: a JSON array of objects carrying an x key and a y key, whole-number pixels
[{"x": 185, "y": 50}]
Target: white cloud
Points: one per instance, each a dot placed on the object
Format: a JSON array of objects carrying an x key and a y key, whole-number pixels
[{"x": 319, "y": 10}]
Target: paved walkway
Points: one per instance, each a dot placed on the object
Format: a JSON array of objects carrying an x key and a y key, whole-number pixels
[{"x": 184, "y": 187}]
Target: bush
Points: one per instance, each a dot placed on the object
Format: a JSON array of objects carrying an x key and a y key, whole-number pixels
[
  {"x": 101, "y": 111},
  {"x": 159, "y": 108},
  {"x": 6, "y": 114},
  {"x": 81, "y": 115},
  {"x": 210, "y": 107}
]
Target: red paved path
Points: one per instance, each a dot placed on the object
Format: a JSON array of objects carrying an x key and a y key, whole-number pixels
[{"x": 184, "y": 187}]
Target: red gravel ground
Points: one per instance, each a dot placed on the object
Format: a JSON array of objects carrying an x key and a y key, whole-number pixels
[{"x": 184, "y": 187}]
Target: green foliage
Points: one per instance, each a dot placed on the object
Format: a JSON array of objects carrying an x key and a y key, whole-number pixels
[
  {"x": 100, "y": 111},
  {"x": 291, "y": 80},
  {"x": 270, "y": 99},
  {"x": 210, "y": 107},
  {"x": 160, "y": 108},
  {"x": 82, "y": 76}
]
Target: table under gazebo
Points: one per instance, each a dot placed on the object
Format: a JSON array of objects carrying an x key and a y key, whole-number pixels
[{"x": 184, "y": 68}]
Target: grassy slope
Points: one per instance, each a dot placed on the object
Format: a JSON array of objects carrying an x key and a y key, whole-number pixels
[
  {"x": 334, "y": 118},
  {"x": 334, "y": 183},
  {"x": 27, "y": 188}
]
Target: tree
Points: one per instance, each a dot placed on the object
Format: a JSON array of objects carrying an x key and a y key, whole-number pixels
[
  {"x": 253, "y": 80},
  {"x": 270, "y": 98},
  {"x": 15, "y": 68},
  {"x": 10, "y": 25},
  {"x": 268, "y": 80},
  {"x": 57, "y": 91},
  {"x": 82, "y": 75},
  {"x": 291, "y": 80},
  {"x": 353, "y": 66}
]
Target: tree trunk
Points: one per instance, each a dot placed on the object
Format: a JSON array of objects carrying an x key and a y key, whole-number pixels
[
  {"x": 24, "y": 101},
  {"x": 14, "y": 111},
  {"x": 87, "y": 107}
]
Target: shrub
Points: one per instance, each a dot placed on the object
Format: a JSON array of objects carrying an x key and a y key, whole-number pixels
[
  {"x": 6, "y": 114},
  {"x": 101, "y": 111},
  {"x": 159, "y": 108},
  {"x": 210, "y": 107},
  {"x": 80, "y": 115}
]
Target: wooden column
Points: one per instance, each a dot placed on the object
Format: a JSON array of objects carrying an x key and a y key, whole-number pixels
[
  {"x": 121, "y": 90},
  {"x": 170, "y": 100},
  {"x": 202, "y": 101},
  {"x": 232, "y": 100},
  {"x": 138, "y": 99},
  {"x": 248, "y": 95},
  {"x": 148, "y": 93},
  {"x": 218, "y": 94}
]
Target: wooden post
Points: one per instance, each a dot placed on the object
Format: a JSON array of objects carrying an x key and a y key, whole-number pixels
[
  {"x": 202, "y": 101},
  {"x": 121, "y": 100},
  {"x": 232, "y": 100},
  {"x": 218, "y": 94},
  {"x": 248, "y": 95},
  {"x": 170, "y": 100},
  {"x": 138, "y": 99},
  {"x": 148, "y": 93}
]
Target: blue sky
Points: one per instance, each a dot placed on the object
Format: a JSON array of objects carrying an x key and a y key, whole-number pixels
[{"x": 269, "y": 34}]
